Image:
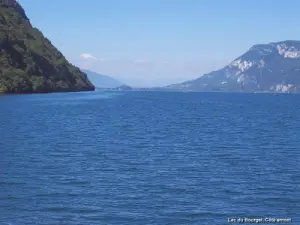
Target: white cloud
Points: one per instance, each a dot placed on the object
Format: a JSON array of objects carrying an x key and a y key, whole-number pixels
[{"x": 88, "y": 56}]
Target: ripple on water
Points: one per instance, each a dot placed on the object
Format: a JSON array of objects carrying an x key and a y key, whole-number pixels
[{"x": 148, "y": 158}]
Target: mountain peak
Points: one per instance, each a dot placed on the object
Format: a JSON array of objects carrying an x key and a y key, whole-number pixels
[
  {"x": 287, "y": 42},
  {"x": 257, "y": 53},
  {"x": 264, "y": 67},
  {"x": 8, "y": 2},
  {"x": 15, "y": 5},
  {"x": 101, "y": 81},
  {"x": 29, "y": 63}
]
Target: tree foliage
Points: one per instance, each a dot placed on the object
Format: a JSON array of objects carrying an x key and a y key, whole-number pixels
[{"x": 29, "y": 62}]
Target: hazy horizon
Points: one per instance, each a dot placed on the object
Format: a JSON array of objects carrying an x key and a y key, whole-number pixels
[{"x": 156, "y": 43}]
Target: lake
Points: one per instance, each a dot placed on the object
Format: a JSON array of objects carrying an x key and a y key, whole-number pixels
[{"x": 149, "y": 158}]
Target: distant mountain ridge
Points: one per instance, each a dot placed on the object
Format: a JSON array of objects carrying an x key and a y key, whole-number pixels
[
  {"x": 273, "y": 67},
  {"x": 102, "y": 81}
]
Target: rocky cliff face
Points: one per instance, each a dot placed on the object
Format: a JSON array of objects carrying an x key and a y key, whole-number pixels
[
  {"x": 29, "y": 63},
  {"x": 273, "y": 67}
]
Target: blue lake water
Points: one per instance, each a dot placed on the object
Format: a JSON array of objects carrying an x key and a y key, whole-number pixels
[{"x": 148, "y": 158}]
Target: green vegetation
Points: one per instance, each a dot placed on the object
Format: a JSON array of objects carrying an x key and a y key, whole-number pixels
[{"x": 29, "y": 63}]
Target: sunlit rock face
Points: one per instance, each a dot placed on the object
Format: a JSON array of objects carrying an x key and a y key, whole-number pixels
[{"x": 273, "y": 67}]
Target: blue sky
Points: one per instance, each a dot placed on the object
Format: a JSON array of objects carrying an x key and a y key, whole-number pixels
[{"x": 158, "y": 42}]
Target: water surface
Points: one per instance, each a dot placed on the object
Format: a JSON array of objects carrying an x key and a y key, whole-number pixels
[{"x": 148, "y": 158}]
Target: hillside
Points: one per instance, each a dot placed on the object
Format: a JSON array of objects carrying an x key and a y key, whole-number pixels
[
  {"x": 273, "y": 67},
  {"x": 29, "y": 63},
  {"x": 101, "y": 81}
]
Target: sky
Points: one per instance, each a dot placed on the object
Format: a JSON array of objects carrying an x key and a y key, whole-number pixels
[{"x": 159, "y": 42}]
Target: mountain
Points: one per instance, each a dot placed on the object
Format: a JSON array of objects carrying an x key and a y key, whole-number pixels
[
  {"x": 29, "y": 63},
  {"x": 273, "y": 67},
  {"x": 124, "y": 88},
  {"x": 102, "y": 81}
]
